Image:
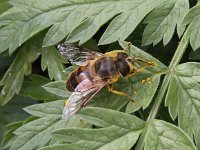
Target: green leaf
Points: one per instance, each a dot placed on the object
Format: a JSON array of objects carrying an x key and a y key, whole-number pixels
[
  {"x": 4, "y": 5},
  {"x": 80, "y": 19},
  {"x": 193, "y": 19},
  {"x": 110, "y": 118},
  {"x": 122, "y": 133},
  {"x": 183, "y": 92},
  {"x": 106, "y": 99},
  {"x": 13, "y": 78},
  {"x": 8, "y": 137},
  {"x": 12, "y": 83},
  {"x": 22, "y": 22},
  {"x": 158, "y": 26},
  {"x": 35, "y": 84},
  {"x": 90, "y": 26},
  {"x": 50, "y": 108},
  {"x": 58, "y": 88},
  {"x": 53, "y": 60},
  {"x": 125, "y": 23},
  {"x": 36, "y": 134},
  {"x": 162, "y": 135},
  {"x": 143, "y": 92},
  {"x": 60, "y": 30},
  {"x": 195, "y": 55}
]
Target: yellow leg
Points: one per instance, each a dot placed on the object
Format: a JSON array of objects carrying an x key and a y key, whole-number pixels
[
  {"x": 137, "y": 70},
  {"x": 110, "y": 88},
  {"x": 141, "y": 68}
]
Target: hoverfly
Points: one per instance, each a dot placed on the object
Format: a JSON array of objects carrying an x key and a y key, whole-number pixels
[{"x": 95, "y": 71}]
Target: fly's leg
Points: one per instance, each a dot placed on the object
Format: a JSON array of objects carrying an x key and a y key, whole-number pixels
[
  {"x": 110, "y": 89},
  {"x": 137, "y": 70},
  {"x": 148, "y": 63},
  {"x": 141, "y": 68}
]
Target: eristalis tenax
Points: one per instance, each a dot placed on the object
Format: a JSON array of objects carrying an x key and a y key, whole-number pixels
[{"x": 95, "y": 71}]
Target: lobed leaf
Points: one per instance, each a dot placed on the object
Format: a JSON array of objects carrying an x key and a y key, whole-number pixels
[
  {"x": 37, "y": 133},
  {"x": 58, "y": 88},
  {"x": 163, "y": 135},
  {"x": 53, "y": 60},
  {"x": 85, "y": 30},
  {"x": 143, "y": 92},
  {"x": 193, "y": 19},
  {"x": 8, "y": 136},
  {"x": 35, "y": 84},
  {"x": 44, "y": 109},
  {"x": 13, "y": 78},
  {"x": 122, "y": 133},
  {"x": 124, "y": 24},
  {"x": 183, "y": 92},
  {"x": 27, "y": 18},
  {"x": 162, "y": 21}
]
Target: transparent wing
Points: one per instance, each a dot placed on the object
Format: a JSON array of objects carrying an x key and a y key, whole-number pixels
[
  {"x": 76, "y": 54},
  {"x": 79, "y": 98}
]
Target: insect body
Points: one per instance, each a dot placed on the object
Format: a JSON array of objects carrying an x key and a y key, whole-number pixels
[{"x": 94, "y": 73}]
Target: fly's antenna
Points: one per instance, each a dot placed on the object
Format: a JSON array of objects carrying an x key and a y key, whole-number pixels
[{"x": 128, "y": 47}]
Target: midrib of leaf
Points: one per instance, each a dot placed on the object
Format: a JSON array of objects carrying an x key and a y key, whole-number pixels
[
  {"x": 161, "y": 93},
  {"x": 125, "y": 134}
]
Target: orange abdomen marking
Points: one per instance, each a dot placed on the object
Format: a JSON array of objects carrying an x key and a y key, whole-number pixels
[{"x": 77, "y": 76}]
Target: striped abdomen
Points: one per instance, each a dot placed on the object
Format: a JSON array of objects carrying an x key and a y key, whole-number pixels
[{"x": 77, "y": 77}]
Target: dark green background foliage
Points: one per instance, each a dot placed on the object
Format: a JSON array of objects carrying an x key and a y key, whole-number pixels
[{"x": 166, "y": 112}]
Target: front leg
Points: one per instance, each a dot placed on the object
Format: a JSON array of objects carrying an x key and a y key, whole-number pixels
[
  {"x": 137, "y": 70},
  {"x": 141, "y": 68}
]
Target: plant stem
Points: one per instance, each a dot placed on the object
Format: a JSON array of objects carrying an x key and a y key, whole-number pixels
[
  {"x": 161, "y": 93},
  {"x": 174, "y": 62}
]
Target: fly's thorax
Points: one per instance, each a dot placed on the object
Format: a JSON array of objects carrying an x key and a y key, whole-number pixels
[{"x": 106, "y": 67}]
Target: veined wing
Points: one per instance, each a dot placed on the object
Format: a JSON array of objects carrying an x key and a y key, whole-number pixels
[
  {"x": 79, "y": 98},
  {"x": 76, "y": 54}
]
